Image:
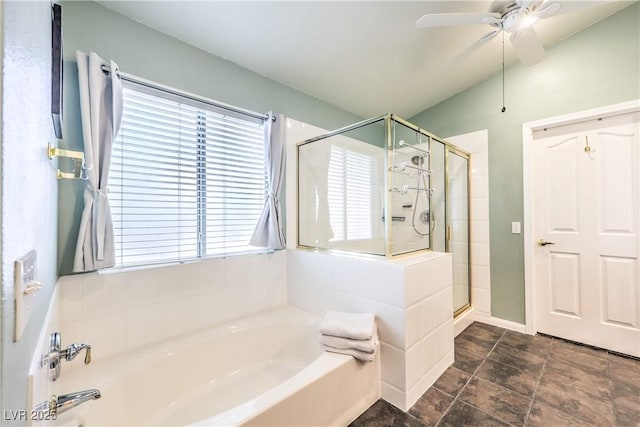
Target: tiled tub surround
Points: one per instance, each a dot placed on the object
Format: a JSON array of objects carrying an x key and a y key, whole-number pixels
[
  {"x": 411, "y": 297},
  {"x": 123, "y": 311}
]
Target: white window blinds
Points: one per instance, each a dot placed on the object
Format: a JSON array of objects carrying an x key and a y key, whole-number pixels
[
  {"x": 186, "y": 180},
  {"x": 351, "y": 182}
]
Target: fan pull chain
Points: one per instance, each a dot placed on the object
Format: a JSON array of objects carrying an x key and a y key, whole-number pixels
[{"x": 503, "y": 107}]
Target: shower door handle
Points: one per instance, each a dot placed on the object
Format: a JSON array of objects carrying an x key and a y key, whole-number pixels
[{"x": 542, "y": 242}]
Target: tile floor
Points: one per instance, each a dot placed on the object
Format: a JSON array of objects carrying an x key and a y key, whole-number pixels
[{"x": 504, "y": 378}]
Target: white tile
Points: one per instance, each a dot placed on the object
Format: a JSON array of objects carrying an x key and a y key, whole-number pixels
[
  {"x": 417, "y": 282},
  {"x": 479, "y": 187},
  {"x": 480, "y": 209},
  {"x": 414, "y": 365},
  {"x": 480, "y": 277},
  {"x": 340, "y": 301},
  {"x": 212, "y": 272},
  {"x": 413, "y": 325},
  {"x": 364, "y": 305},
  {"x": 150, "y": 285},
  {"x": 481, "y": 300},
  {"x": 479, "y": 164},
  {"x": 439, "y": 274},
  {"x": 391, "y": 328},
  {"x": 103, "y": 293},
  {"x": 277, "y": 292},
  {"x": 479, "y": 231},
  {"x": 393, "y": 395},
  {"x": 71, "y": 331},
  {"x": 365, "y": 278},
  {"x": 478, "y": 143},
  {"x": 71, "y": 297},
  {"x": 316, "y": 299},
  {"x": 107, "y": 333},
  {"x": 342, "y": 274},
  {"x": 393, "y": 365},
  {"x": 391, "y": 285},
  {"x": 235, "y": 271},
  {"x": 480, "y": 254},
  {"x": 429, "y": 350},
  {"x": 436, "y": 310}
]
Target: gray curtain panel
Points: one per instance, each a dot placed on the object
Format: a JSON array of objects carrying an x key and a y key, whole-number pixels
[
  {"x": 101, "y": 110},
  {"x": 269, "y": 232}
]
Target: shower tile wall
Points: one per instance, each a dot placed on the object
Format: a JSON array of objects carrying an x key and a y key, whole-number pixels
[
  {"x": 116, "y": 312},
  {"x": 476, "y": 143},
  {"x": 411, "y": 297}
]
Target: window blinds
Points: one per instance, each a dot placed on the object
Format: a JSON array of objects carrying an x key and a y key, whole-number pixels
[
  {"x": 186, "y": 181},
  {"x": 351, "y": 180}
]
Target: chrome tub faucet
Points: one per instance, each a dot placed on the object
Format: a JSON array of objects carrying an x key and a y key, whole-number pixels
[
  {"x": 56, "y": 355},
  {"x": 59, "y": 404}
]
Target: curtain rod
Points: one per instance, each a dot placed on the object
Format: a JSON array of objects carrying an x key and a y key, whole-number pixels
[{"x": 154, "y": 85}]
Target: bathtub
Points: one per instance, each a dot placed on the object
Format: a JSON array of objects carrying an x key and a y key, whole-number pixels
[{"x": 265, "y": 370}]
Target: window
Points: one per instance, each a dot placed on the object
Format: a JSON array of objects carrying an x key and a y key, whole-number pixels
[
  {"x": 352, "y": 177},
  {"x": 187, "y": 180}
]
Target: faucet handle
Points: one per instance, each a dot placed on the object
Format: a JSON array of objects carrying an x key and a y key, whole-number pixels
[
  {"x": 87, "y": 355},
  {"x": 72, "y": 351}
]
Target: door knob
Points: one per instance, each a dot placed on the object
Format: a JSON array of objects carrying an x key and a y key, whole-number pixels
[{"x": 542, "y": 242}]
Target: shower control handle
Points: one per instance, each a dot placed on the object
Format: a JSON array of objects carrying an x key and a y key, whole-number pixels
[{"x": 542, "y": 242}]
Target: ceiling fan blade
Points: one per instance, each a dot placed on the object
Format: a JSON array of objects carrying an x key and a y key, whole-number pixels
[
  {"x": 527, "y": 46},
  {"x": 453, "y": 19},
  {"x": 548, "y": 9},
  {"x": 529, "y": 4},
  {"x": 474, "y": 46}
]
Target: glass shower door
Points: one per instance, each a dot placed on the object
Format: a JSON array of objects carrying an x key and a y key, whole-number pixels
[{"x": 457, "y": 233}]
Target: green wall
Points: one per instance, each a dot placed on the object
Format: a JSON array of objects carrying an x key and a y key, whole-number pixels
[
  {"x": 28, "y": 209},
  {"x": 596, "y": 67},
  {"x": 146, "y": 53}
]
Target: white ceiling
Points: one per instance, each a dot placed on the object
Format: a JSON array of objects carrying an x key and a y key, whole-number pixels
[{"x": 366, "y": 57}]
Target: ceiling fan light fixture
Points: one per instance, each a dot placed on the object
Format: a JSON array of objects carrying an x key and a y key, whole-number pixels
[{"x": 528, "y": 21}]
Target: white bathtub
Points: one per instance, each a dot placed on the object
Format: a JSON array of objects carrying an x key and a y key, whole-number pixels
[{"x": 265, "y": 370}]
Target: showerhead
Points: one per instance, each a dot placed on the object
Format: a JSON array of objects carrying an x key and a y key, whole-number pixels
[{"x": 417, "y": 160}]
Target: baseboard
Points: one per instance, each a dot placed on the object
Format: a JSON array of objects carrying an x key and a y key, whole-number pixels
[
  {"x": 501, "y": 323},
  {"x": 463, "y": 321}
]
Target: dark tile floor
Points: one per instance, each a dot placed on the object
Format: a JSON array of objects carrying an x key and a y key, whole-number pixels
[{"x": 504, "y": 378}]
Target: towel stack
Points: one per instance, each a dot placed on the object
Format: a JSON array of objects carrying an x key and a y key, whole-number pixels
[{"x": 353, "y": 334}]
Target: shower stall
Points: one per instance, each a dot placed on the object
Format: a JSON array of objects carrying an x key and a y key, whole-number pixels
[{"x": 386, "y": 187}]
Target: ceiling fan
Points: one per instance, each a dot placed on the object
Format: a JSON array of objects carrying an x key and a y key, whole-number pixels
[{"x": 515, "y": 18}]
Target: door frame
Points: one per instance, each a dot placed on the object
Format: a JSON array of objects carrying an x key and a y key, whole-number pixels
[{"x": 528, "y": 195}]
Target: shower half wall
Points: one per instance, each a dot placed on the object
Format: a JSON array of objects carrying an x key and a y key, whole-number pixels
[{"x": 386, "y": 187}]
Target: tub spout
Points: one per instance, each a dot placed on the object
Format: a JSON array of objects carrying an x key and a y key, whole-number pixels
[
  {"x": 71, "y": 400},
  {"x": 59, "y": 404}
]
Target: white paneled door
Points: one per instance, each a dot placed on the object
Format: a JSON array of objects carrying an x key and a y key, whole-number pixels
[{"x": 586, "y": 225}]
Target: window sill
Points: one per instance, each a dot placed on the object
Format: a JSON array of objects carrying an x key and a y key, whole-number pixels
[{"x": 116, "y": 270}]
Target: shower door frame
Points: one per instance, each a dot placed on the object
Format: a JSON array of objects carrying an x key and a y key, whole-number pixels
[{"x": 450, "y": 148}]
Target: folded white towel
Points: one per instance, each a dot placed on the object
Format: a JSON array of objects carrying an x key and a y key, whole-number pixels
[
  {"x": 360, "y": 355},
  {"x": 357, "y": 326},
  {"x": 367, "y": 346}
]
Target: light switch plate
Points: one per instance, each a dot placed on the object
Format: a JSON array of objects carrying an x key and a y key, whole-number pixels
[
  {"x": 515, "y": 227},
  {"x": 26, "y": 286}
]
